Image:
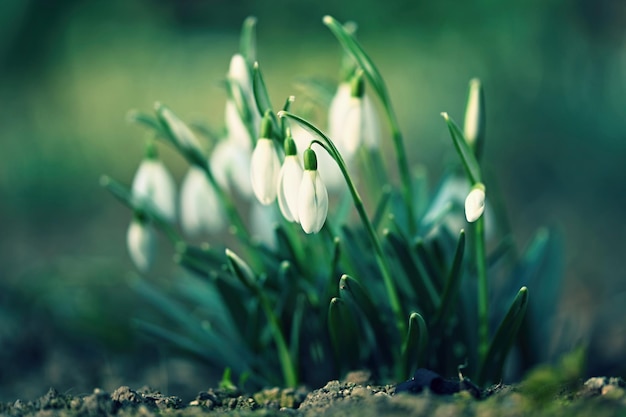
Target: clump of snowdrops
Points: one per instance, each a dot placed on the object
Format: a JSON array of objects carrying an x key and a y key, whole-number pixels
[{"x": 317, "y": 283}]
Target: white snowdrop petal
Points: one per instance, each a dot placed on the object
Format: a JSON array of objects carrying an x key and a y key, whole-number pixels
[
  {"x": 475, "y": 204},
  {"x": 141, "y": 242},
  {"x": 236, "y": 128},
  {"x": 371, "y": 124},
  {"x": 312, "y": 202},
  {"x": 288, "y": 186},
  {"x": 154, "y": 183},
  {"x": 200, "y": 209},
  {"x": 238, "y": 71},
  {"x": 350, "y": 135},
  {"x": 264, "y": 170},
  {"x": 230, "y": 165},
  {"x": 337, "y": 110}
]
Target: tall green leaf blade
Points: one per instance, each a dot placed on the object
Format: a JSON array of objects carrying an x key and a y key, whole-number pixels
[
  {"x": 468, "y": 158},
  {"x": 491, "y": 368},
  {"x": 354, "y": 49},
  {"x": 414, "y": 345},
  {"x": 247, "y": 41},
  {"x": 262, "y": 97}
]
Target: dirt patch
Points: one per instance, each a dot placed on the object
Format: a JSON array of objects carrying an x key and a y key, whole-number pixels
[{"x": 354, "y": 397}]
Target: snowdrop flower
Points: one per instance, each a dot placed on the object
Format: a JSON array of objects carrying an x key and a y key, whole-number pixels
[
  {"x": 265, "y": 166},
  {"x": 141, "y": 242},
  {"x": 475, "y": 203},
  {"x": 236, "y": 128},
  {"x": 312, "y": 197},
  {"x": 328, "y": 168},
  {"x": 154, "y": 184},
  {"x": 200, "y": 209},
  {"x": 289, "y": 180},
  {"x": 352, "y": 118},
  {"x": 230, "y": 165},
  {"x": 239, "y": 75}
]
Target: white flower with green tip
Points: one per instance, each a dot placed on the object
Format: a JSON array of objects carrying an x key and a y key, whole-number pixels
[
  {"x": 265, "y": 166},
  {"x": 312, "y": 196}
]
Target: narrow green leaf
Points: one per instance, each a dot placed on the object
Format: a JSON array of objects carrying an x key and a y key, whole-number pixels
[
  {"x": 414, "y": 345},
  {"x": 414, "y": 270},
  {"x": 351, "y": 290},
  {"x": 453, "y": 282},
  {"x": 343, "y": 334},
  {"x": 491, "y": 368},
  {"x": 247, "y": 45},
  {"x": 242, "y": 270},
  {"x": 354, "y": 49},
  {"x": 381, "y": 207},
  {"x": 147, "y": 120},
  {"x": 262, "y": 97},
  {"x": 470, "y": 163}
]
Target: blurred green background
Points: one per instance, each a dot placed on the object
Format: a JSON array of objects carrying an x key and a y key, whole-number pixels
[{"x": 554, "y": 73}]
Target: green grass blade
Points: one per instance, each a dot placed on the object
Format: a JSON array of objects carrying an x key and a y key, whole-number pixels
[
  {"x": 414, "y": 345},
  {"x": 470, "y": 163},
  {"x": 247, "y": 41},
  {"x": 262, "y": 97},
  {"x": 343, "y": 335},
  {"x": 355, "y": 50},
  {"x": 491, "y": 368},
  {"x": 242, "y": 270}
]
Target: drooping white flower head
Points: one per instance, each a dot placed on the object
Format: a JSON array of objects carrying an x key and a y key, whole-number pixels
[
  {"x": 289, "y": 180},
  {"x": 352, "y": 119},
  {"x": 154, "y": 185},
  {"x": 200, "y": 209},
  {"x": 240, "y": 76},
  {"x": 230, "y": 165},
  {"x": 475, "y": 203},
  {"x": 141, "y": 241},
  {"x": 312, "y": 197},
  {"x": 236, "y": 128},
  {"x": 265, "y": 166}
]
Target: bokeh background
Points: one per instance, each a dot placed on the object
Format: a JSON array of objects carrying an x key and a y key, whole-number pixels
[{"x": 555, "y": 79}]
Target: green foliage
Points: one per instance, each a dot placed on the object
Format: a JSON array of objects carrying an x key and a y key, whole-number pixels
[{"x": 406, "y": 287}]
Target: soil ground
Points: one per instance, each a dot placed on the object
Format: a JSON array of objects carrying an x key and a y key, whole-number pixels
[{"x": 353, "y": 397}]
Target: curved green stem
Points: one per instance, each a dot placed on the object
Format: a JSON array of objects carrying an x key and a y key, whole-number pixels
[{"x": 328, "y": 145}]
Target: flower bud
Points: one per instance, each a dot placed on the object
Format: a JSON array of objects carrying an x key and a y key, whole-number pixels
[
  {"x": 474, "y": 126},
  {"x": 141, "y": 241},
  {"x": 475, "y": 203}
]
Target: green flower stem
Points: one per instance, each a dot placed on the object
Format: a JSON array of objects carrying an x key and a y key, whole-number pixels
[
  {"x": 483, "y": 308},
  {"x": 286, "y": 361},
  {"x": 346, "y": 38},
  {"x": 403, "y": 164},
  {"x": 327, "y": 144}
]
